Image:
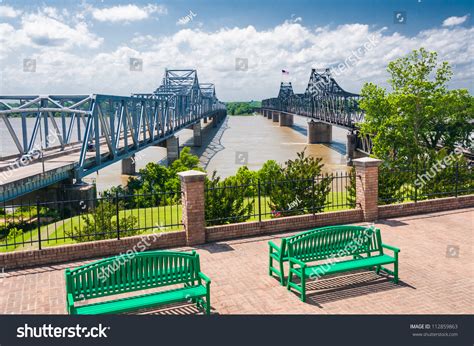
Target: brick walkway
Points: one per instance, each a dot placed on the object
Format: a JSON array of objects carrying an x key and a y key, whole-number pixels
[{"x": 436, "y": 273}]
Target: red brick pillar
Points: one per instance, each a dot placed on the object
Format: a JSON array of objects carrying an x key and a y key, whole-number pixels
[
  {"x": 192, "y": 187},
  {"x": 367, "y": 186}
]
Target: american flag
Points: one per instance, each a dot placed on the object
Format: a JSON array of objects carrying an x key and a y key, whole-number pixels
[{"x": 285, "y": 72}]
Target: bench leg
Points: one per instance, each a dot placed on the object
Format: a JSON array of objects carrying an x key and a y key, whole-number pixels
[
  {"x": 270, "y": 266},
  {"x": 395, "y": 272},
  {"x": 208, "y": 302},
  {"x": 377, "y": 270},
  {"x": 303, "y": 288},
  {"x": 282, "y": 274}
]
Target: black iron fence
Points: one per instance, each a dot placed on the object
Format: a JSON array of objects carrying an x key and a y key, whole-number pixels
[
  {"x": 35, "y": 225},
  {"x": 422, "y": 182},
  {"x": 257, "y": 199}
]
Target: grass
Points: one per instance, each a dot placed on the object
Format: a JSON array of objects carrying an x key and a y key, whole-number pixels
[{"x": 149, "y": 220}]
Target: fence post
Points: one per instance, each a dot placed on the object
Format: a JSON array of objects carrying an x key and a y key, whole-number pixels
[
  {"x": 259, "y": 202},
  {"x": 39, "y": 223},
  {"x": 457, "y": 179},
  {"x": 312, "y": 194},
  {"x": 416, "y": 185},
  {"x": 193, "y": 202},
  {"x": 117, "y": 214},
  {"x": 367, "y": 186}
]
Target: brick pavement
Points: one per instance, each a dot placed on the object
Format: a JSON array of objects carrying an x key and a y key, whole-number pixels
[{"x": 436, "y": 273}]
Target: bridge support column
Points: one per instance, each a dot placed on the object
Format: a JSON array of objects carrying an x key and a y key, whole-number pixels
[
  {"x": 319, "y": 132},
  {"x": 172, "y": 149},
  {"x": 269, "y": 115},
  {"x": 129, "y": 165},
  {"x": 351, "y": 148},
  {"x": 204, "y": 120},
  {"x": 276, "y": 117},
  {"x": 197, "y": 134},
  {"x": 83, "y": 196},
  {"x": 286, "y": 119},
  {"x": 367, "y": 185},
  {"x": 214, "y": 121}
]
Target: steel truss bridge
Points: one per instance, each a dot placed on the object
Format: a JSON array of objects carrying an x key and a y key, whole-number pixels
[
  {"x": 325, "y": 101},
  {"x": 102, "y": 129}
]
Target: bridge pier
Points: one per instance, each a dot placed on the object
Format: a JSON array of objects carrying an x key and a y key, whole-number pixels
[
  {"x": 197, "y": 134},
  {"x": 172, "y": 149},
  {"x": 204, "y": 120},
  {"x": 129, "y": 165},
  {"x": 319, "y": 132},
  {"x": 286, "y": 119},
  {"x": 351, "y": 149},
  {"x": 276, "y": 117},
  {"x": 269, "y": 114}
]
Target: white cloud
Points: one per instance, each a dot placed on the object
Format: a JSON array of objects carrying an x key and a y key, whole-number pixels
[
  {"x": 127, "y": 13},
  {"x": 290, "y": 46},
  {"x": 451, "y": 21},
  {"x": 48, "y": 31},
  {"x": 9, "y": 12}
]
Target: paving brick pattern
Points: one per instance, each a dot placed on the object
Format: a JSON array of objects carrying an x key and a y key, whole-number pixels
[{"x": 436, "y": 273}]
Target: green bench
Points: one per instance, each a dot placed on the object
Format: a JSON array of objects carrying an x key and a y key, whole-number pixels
[
  {"x": 142, "y": 271},
  {"x": 279, "y": 254},
  {"x": 363, "y": 245}
]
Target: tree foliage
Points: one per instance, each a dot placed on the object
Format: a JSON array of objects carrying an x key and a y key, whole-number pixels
[
  {"x": 298, "y": 187},
  {"x": 419, "y": 114},
  {"x": 224, "y": 200}
]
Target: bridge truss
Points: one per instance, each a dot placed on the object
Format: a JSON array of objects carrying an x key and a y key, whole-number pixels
[
  {"x": 104, "y": 129},
  {"x": 323, "y": 100}
]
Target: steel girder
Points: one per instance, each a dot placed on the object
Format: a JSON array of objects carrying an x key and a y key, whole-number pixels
[
  {"x": 109, "y": 128},
  {"x": 323, "y": 100}
]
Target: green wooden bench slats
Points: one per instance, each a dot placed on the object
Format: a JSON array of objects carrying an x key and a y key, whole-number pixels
[
  {"x": 145, "y": 270},
  {"x": 363, "y": 244}
]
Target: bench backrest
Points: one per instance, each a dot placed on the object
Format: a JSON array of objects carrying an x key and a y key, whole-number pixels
[
  {"x": 284, "y": 241},
  {"x": 127, "y": 273},
  {"x": 335, "y": 242}
]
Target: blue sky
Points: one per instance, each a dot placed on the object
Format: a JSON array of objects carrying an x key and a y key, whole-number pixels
[{"x": 86, "y": 46}]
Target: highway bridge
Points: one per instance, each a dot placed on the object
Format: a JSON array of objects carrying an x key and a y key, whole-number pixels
[{"x": 76, "y": 135}]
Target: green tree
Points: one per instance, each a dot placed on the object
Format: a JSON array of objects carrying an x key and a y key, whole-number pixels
[
  {"x": 304, "y": 189},
  {"x": 225, "y": 201},
  {"x": 421, "y": 113},
  {"x": 409, "y": 124}
]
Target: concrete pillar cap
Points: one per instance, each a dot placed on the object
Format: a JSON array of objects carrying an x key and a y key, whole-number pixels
[
  {"x": 192, "y": 175},
  {"x": 367, "y": 162}
]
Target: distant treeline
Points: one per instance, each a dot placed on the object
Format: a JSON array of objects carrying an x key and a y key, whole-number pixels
[{"x": 240, "y": 108}]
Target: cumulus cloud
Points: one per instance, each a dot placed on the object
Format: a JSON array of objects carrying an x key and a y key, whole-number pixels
[
  {"x": 291, "y": 46},
  {"x": 451, "y": 21},
  {"x": 9, "y": 12},
  {"x": 48, "y": 31},
  {"x": 127, "y": 13}
]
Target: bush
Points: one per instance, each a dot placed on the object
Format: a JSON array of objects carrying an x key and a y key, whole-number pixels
[{"x": 223, "y": 201}]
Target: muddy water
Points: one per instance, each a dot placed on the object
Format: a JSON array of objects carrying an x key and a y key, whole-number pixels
[
  {"x": 240, "y": 140},
  {"x": 250, "y": 140}
]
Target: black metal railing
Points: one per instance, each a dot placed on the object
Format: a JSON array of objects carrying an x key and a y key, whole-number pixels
[
  {"x": 258, "y": 199},
  {"x": 420, "y": 182},
  {"x": 36, "y": 225}
]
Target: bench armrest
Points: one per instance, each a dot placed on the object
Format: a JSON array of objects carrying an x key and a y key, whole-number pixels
[
  {"x": 70, "y": 302},
  {"x": 275, "y": 247},
  {"x": 205, "y": 278},
  {"x": 297, "y": 261},
  {"x": 393, "y": 248}
]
